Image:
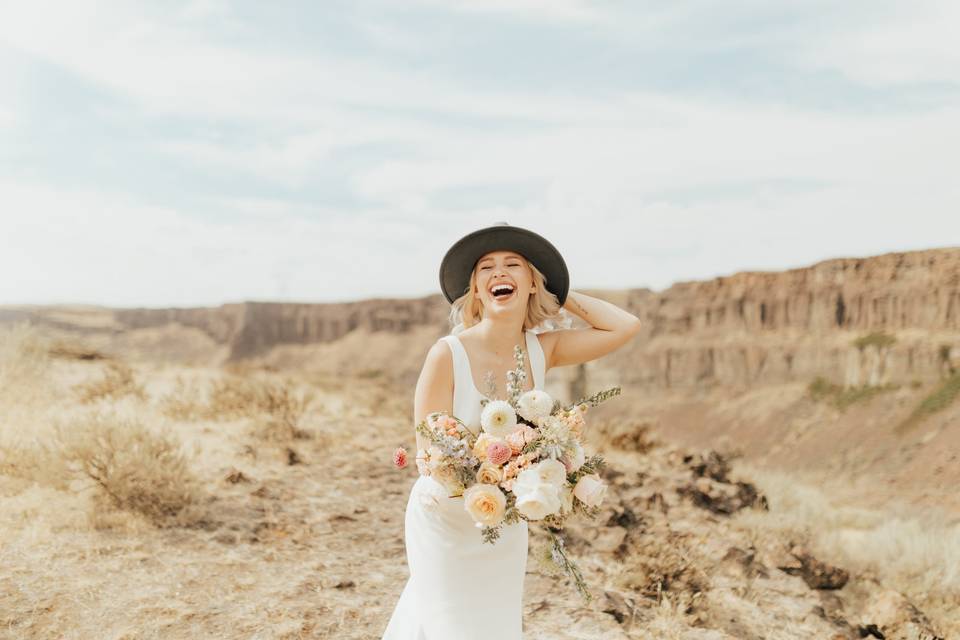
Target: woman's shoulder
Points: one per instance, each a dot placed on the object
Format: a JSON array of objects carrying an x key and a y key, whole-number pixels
[{"x": 438, "y": 363}]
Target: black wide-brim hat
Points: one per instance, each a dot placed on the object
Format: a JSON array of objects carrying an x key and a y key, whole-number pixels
[{"x": 462, "y": 257}]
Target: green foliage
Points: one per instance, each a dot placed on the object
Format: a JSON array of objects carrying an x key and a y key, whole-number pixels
[
  {"x": 878, "y": 339},
  {"x": 939, "y": 400},
  {"x": 595, "y": 399},
  {"x": 842, "y": 398}
]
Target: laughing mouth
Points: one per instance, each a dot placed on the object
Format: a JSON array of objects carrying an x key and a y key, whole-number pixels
[{"x": 502, "y": 291}]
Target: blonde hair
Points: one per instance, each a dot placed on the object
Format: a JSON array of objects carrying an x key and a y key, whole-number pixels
[{"x": 467, "y": 310}]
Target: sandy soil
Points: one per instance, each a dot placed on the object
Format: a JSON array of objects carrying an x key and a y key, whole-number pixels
[{"x": 300, "y": 534}]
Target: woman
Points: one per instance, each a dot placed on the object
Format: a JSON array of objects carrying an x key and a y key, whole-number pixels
[{"x": 501, "y": 281}]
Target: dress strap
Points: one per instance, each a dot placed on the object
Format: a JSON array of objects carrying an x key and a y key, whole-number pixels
[
  {"x": 460, "y": 363},
  {"x": 538, "y": 360}
]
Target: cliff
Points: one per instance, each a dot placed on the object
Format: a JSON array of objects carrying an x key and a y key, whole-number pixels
[{"x": 889, "y": 318}]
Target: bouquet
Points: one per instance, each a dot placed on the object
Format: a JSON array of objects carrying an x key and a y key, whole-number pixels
[{"x": 526, "y": 462}]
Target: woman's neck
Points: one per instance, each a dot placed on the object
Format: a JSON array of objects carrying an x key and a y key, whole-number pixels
[{"x": 500, "y": 335}]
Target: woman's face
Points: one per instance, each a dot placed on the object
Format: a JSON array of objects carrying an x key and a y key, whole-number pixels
[{"x": 505, "y": 268}]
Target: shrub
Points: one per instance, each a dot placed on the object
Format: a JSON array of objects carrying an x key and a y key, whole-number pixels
[
  {"x": 130, "y": 467},
  {"x": 275, "y": 405},
  {"x": 878, "y": 339},
  {"x": 24, "y": 364},
  {"x": 942, "y": 397},
  {"x": 118, "y": 381},
  {"x": 842, "y": 398}
]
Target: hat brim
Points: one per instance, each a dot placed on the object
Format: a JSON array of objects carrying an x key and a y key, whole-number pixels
[{"x": 458, "y": 263}]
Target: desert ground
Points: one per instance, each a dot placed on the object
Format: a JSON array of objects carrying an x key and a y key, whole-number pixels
[{"x": 152, "y": 499}]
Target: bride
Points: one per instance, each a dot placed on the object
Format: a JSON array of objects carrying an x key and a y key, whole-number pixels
[{"x": 501, "y": 281}]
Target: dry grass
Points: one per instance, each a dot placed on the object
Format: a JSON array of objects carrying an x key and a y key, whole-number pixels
[
  {"x": 130, "y": 467},
  {"x": 842, "y": 398},
  {"x": 276, "y": 407},
  {"x": 941, "y": 398},
  {"x": 24, "y": 365},
  {"x": 118, "y": 381},
  {"x": 918, "y": 558}
]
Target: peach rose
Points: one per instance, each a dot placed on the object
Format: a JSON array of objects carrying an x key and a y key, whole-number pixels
[
  {"x": 485, "y": 503},
  {"x": 489, "y": 473}
]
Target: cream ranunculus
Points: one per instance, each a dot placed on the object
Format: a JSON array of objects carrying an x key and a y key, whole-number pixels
[
  {"x": 485, "y": 503},
  {"x": 536, "y": 498},
  {"x": 489, "y": 473},
  {"x": 498, "y": 418},
  {"x": 590, "y": 489},
  {"x": 552, "y": 471},
  {"x": 534, "y": 404}
]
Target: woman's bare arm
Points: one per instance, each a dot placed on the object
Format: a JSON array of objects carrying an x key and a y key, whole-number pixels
[
  {"x": 434, "y": 390},
  {"x": 611, "y": 328}
]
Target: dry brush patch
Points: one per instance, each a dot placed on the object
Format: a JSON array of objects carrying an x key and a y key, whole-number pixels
[
  {"x": 276, "y": 407},
  {"x": 118, "y": 381},
  {"x": 131, "y": 467},
  {"x": 919, "y": 558}
]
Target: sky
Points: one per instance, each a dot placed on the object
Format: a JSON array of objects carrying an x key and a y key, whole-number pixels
[{"x": 203, "y": 152}]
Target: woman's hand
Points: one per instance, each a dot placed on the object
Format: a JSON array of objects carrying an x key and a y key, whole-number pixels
[{"x": 421, "y": 463}]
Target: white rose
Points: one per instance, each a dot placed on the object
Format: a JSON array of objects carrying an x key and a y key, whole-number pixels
[
  {"x": 575, "y": 459},
  {"x": 534, "y": 404},
  {"x": 498, "y": 418},
  {"x": 552, "y": 471},
  {"x": 540, "y": 502},
  {"x": 590, "y": 489},
  {"x": 485, "y": 503},
  {"x": 536, "y": 498}
]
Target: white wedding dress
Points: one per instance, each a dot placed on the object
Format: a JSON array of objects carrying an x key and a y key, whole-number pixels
[{"x": 461, "y": 588}]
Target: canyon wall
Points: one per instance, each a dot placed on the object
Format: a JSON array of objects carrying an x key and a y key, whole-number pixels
[{"x": 833, "y": 319}]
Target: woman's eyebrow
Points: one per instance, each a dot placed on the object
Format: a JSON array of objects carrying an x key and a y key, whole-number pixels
[{"x": 510, "y": 257}]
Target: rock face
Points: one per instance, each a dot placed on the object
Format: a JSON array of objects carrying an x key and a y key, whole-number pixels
[
  {"x": 252, "y": 328},
  {"x": 741, "y": 330},
  {"x": 752, "y": 328}
]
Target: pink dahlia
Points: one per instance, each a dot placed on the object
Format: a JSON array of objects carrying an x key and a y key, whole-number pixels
[
  {"x": 400, "y": 458},
  {"x": 499, "y": 452}
]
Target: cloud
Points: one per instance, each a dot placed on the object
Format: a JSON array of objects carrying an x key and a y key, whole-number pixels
[{"x": 680, "y": 141}]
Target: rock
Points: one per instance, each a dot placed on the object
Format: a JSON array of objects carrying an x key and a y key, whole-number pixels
[
  {"x": 891, "y": 615},
  {"x": 293, "y": 457},
  {"x": 817, "y": 574},
  {"x": 723, "y": 499},
  {"x": 623, "y": 517},
  {"x": 743, "y": 562},
  {"x": 620, "y": 607},
  {"x": 711, "y": 465},
  {"x": 235, "y": 476},
  {"x": 608, "y": 539},
  {"x": 656, "y": 501}
]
